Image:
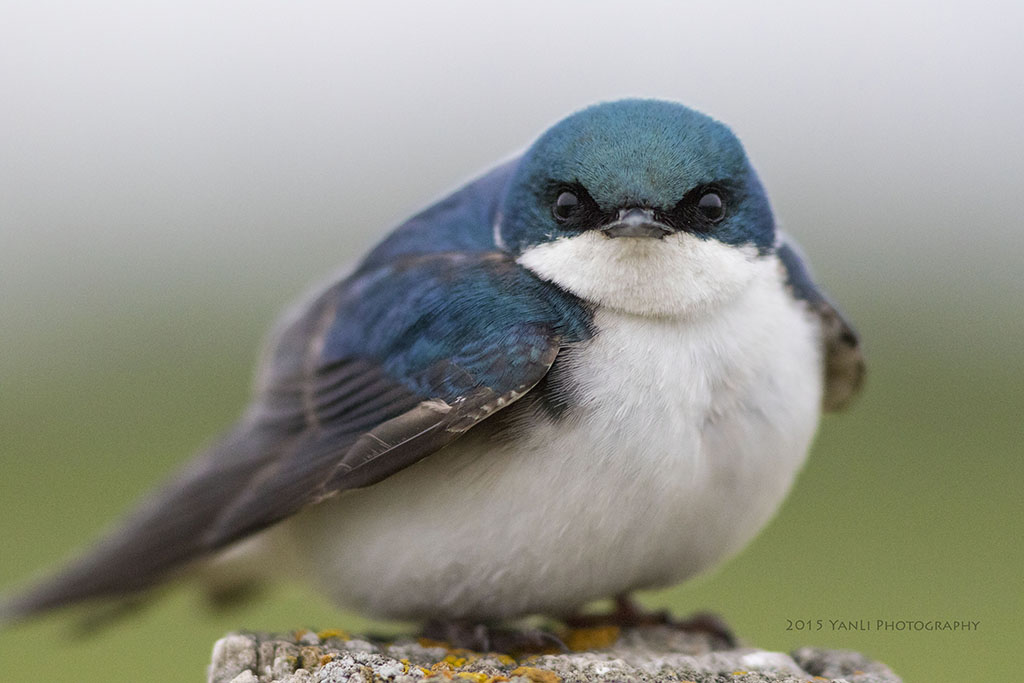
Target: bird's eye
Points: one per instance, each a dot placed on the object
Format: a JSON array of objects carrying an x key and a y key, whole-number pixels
[
  {"x": 565, "y": 205},
  {"x": 711, "y": 206}
]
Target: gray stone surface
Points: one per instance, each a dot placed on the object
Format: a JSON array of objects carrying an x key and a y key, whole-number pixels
[{"x": 644, "y": 654}]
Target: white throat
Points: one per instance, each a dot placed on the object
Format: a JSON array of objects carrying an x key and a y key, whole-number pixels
[{"x": 678, "y": 275}]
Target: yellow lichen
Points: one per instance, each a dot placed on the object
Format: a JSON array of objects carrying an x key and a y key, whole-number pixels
[
  {"x": 478, "y": 677},
  {"x": 333, "y": 633},
  {"x": 580, "y": 639},
  {"x": 428, "y": 642},
  {"x": 503, "y": 658},
  {"x": 443, "y": 665},
  {"x": 537, "y": 675},
  {"x": 455, "y": 660},
  {"x": 324, "y": 659}
]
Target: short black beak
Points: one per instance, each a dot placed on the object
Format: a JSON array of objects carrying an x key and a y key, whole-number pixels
[{"x": 636, "y": 222}]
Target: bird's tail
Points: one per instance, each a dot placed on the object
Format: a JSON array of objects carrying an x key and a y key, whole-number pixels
[{"x": 161, "y": 537}]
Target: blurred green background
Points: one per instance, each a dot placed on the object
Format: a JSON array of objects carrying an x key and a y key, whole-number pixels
[{"x": 173, "y": 175}]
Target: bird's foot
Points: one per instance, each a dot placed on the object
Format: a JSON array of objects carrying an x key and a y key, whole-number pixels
[
  {"x": 467, "y": 635},
  {"x": 627, "y": 614}
]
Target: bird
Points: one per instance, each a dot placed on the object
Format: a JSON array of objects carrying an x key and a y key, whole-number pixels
[{"x": 595, "y": 369}]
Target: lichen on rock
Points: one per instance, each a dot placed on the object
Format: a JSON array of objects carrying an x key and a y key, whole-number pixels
[{"x": 642, "y": 654}]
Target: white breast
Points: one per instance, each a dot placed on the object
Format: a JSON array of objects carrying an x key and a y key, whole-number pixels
[{"x": 686, "y": 435}]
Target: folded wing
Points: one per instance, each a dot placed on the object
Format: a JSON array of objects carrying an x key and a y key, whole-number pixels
[
  {"x": 378, "y": 372},
  {"x": 844, "y": 359}
]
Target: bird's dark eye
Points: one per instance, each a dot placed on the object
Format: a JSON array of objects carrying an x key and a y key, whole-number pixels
[
  {"x": 711, "y": 206},
  {"x": 565, "y": 205}
]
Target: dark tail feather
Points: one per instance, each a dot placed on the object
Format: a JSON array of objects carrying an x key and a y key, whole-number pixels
[{"x": 162, "y": 536}]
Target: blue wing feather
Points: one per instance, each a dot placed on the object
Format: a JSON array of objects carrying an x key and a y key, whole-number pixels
[
  {"x": 844, "y": 360},
  {"x": 798, "y": 274},
  {"x": 464, "y": 309},
  {"x": 434, "y": 332},
  {"x": 447, "y": 338},
  {"x": 461, "y": 222}
]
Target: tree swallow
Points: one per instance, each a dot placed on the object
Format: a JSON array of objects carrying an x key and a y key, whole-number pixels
[{"x": 595, "y": 369}]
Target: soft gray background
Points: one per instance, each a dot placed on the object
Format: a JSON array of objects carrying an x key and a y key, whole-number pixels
[{"x": 172, "y": 174}]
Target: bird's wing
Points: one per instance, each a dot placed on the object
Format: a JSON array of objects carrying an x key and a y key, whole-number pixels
[
  {"x": 379, "y": 371},
  {"x": 844, "y": 359}
]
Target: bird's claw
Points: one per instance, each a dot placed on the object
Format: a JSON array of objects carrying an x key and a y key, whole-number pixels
[
  {"x": 485, "y": 638},
  {"x": 627, "y": 614}
]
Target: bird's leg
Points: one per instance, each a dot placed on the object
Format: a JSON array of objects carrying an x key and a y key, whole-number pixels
[
  {"x": 627, "y": 614},
  {"x": 469, "y": 635}
]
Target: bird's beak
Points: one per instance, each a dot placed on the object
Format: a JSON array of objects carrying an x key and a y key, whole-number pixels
[{"x": 636, "y": 222}]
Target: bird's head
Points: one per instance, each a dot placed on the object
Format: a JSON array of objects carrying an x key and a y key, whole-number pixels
[{"x": 644, "y": 206}]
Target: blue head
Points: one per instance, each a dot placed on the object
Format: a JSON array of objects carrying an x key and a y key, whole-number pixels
[{"x": 621, "y": 200}]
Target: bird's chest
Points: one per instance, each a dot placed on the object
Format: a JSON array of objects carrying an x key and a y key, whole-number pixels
[
  {"x": 681, "y": 436},
  {"x": 650, "y": 392},
  {"x": 648, "y": 384}
]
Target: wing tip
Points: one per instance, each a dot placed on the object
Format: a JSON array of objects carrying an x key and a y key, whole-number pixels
[
  {"x": 845, "y": 365},
  {"x": 53, "y": 591},
  {"x": 17, "y": 608},
  {"x": 8, "y": 614}
]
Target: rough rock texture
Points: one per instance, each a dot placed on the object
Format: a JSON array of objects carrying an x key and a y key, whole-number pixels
[{"x": 606, "y": 654}]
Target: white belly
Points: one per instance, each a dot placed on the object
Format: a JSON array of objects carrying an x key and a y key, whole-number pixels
[{"x": 686, "y": 437}]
